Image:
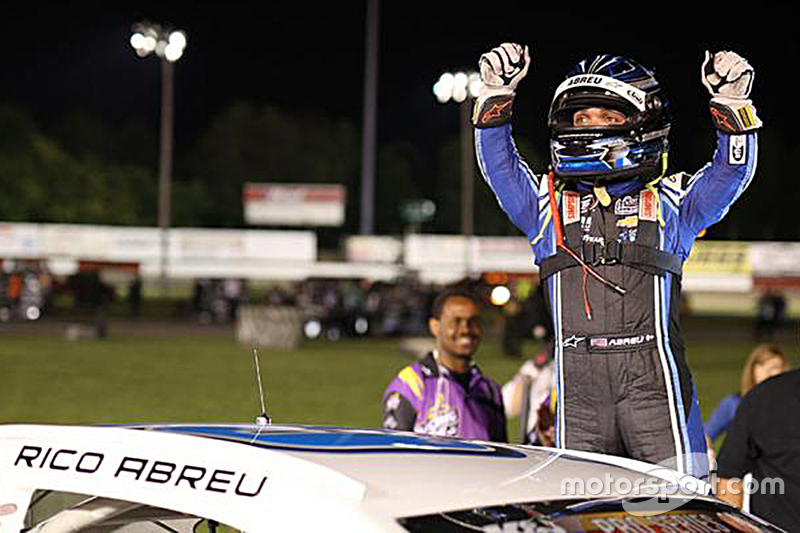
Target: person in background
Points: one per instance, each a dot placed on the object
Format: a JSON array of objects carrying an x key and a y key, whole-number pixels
[
  {"x": 445, "y": 393},
  {"x": 764, "y": 440},
  {"x": 545, "y": 425},
  {"x": 534, "y": 378},
  {"x": 770, "y": 315},
  {"x": 135, "y": 296},
  {"x": 765, "y": 361}
]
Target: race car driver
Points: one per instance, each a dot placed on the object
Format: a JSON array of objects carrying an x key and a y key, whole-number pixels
[{"x": 610, "y": 229}]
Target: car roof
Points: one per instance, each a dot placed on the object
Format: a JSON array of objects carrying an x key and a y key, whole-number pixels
[{"x": 246, "y": 474}]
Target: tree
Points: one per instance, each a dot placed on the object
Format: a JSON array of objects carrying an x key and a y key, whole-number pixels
[
  {"x": 489, "y": 218},
  {"x": 397, "y": 167},
  {"x": 265, "y": 144},
  {"x": 42, "y": 182}
]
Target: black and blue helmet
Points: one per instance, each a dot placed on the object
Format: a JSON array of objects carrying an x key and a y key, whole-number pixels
[{"x": 637, "y": 148}]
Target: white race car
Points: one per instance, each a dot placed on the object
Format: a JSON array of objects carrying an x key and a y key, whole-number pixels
[{"x": 266, "y": 478}]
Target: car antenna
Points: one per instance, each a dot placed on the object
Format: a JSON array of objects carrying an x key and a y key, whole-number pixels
[{"x": 263, "y": 419}]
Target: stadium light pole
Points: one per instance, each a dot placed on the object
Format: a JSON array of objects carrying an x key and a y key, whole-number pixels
[
  {"x": 168, "y": 45},
  {"x": 462, "y": 88},
  {"x": 367, "y": 218}
]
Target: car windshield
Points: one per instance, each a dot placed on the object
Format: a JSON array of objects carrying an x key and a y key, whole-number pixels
[
  {"x": 62, "y": 512},
  {"x": 593, "y": 516}
]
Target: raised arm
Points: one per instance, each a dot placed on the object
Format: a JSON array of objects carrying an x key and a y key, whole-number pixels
[
  {"x": 712, "y": 190},
  {"x": 515, "y": 186}
]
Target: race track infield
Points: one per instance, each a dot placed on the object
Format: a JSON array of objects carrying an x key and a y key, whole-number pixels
[{"x": 183, "y": 371}]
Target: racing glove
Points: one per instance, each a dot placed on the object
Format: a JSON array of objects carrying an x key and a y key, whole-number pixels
[
  {"x": 501, "y": 70},
  {"x": 729, "y": 79}
]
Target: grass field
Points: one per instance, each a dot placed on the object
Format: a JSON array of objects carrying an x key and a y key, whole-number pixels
[{"x": 145, "y": 373}]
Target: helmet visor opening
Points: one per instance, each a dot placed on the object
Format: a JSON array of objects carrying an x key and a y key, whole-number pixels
[{"x": 565, "y": 108}]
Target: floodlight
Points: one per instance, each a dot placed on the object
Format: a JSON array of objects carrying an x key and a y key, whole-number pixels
[
  {"x": 500, "y": 295},
  {"x": 173, "y": 52},
  {"x": 178, "y": 38}
]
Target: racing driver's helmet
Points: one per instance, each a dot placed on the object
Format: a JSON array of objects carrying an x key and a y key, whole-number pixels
[{"x": 636, "y": 148}]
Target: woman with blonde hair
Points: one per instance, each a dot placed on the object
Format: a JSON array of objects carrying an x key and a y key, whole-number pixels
[{"x": 766, "y": 360}]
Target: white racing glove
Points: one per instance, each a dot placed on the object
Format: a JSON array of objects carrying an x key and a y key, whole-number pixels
[
  {"x": 501, "y": 69},
  {"x": 729, "y": 79}
]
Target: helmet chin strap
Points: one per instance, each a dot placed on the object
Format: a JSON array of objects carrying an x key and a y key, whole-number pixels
[
  {"x": 664, "y": 159},
  {"x": 602, "y": 195}
]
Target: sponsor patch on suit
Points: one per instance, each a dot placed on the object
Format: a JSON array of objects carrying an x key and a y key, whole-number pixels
[
  {"x": 737, "y": 150},
  {"x": 572, "y": 207}
]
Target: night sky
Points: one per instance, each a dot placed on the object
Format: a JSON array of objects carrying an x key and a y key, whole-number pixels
[{"x": 310, "y": 56}]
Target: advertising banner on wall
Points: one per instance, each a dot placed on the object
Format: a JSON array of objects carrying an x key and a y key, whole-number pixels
[{"x": 294, "y": 204}]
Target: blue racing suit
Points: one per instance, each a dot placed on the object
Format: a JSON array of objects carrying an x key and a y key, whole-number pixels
[{"x": 621, "y": 381}]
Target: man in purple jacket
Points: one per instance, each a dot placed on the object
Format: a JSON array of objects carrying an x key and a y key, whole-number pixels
[{"x": 445, "y": 393}]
